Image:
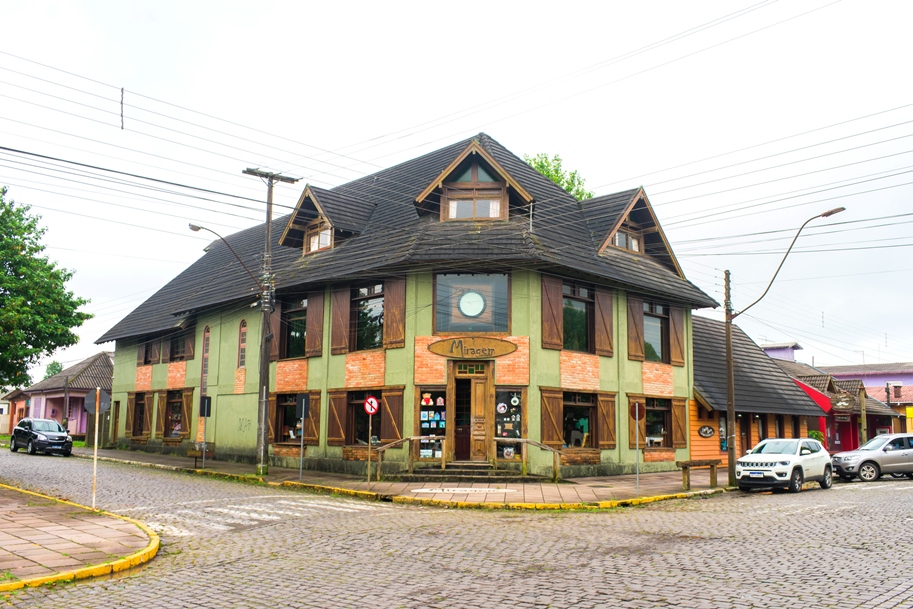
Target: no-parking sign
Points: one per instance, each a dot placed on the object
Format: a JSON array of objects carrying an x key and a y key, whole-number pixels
[{"x": 371, "y": 405}]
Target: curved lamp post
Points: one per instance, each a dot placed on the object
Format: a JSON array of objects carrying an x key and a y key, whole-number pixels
[{"x": 730, "y": 366}]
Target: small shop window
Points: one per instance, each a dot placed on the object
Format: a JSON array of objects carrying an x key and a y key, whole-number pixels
[
  {"x": 242, "y": 344},
  {"x": 579, "y": 415},
  {"x": 508, "y": 422},
  {"x": 357, "y": 422},
  {"x": 288, "y": 426},
  {"x": 656, "y": 332},
  {"x": 658, "y": 422},
  {"x": 139, "y": 414},
  {"x": 578, "y": 316},
  {"x": 295, "y": 327},
  {"x": 174, "y": 414},
  {"x": 476, "y": 193},
  {"x": 432, "y": 423},
  {"x": 319, "y": 237}
]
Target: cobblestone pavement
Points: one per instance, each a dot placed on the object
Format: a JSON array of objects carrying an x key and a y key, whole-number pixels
[{"x": 227, "y": 544}]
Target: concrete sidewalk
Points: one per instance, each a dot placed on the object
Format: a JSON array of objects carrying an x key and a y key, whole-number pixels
[
  {"x": 576, "y": 493},
  {"x": 44, "y": 540}
]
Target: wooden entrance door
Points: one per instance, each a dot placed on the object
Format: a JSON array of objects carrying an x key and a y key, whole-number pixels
[
  {"x": 472, "y": 387},
  {"x": 480, "y": 409},
  {"x": 462, "y": 419}
]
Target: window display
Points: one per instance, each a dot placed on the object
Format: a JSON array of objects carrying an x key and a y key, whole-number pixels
[
  {"x": 508, "y": 422},
  {"x": 432, "y": 424}
]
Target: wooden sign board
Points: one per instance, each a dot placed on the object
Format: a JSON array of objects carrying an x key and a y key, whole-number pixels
[{"x": 472, "y": 347}]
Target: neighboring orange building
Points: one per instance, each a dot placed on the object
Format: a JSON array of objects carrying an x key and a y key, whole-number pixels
[{"x": 768, "y": 403}]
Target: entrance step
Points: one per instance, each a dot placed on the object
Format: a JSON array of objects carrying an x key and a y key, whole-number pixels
[{"x": 465, "y": 472}]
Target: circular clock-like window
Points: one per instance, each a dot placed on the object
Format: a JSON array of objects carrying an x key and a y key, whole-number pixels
[{"x": 472, "y": 304}]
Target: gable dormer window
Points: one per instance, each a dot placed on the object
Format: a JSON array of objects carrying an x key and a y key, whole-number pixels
[
  {"x": 627, "y": 240},
  {"x": 319, "y": 237},
  {"x": 475, "y": 193}
]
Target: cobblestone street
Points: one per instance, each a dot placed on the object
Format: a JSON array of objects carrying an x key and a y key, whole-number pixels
[{"x": 227, "y": 544}]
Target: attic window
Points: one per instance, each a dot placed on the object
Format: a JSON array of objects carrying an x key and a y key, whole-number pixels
[
  {"x": 474, "y": 194},
  {"x": 627, "y": 240},
  {"x": 319, "y": 237}
]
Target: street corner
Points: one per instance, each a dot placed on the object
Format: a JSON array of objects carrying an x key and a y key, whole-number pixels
[{"x": 47, "y": 540}]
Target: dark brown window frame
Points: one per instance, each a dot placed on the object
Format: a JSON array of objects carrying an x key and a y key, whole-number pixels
[
  {"x": 357, "y": 297},
  {"x": 471, "y": 191},
  {"x": 434, "y": 292},
  {"x": 650, "y": 311},
  {"x": 286, "y": 325},
  {"x": 571, "y": 399},
  {"x": 315, "y": 229},
  {"x": 571, "y": 290}
]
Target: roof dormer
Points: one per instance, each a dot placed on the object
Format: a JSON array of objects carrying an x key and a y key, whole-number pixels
[
  {"x": 473, "y": 187},
  {"x": 322, "y": 218}
]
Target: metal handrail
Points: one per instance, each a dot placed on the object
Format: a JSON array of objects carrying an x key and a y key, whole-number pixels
[
  {"x": 524, "y": 455},
  {"x": 411, "y": 454}
]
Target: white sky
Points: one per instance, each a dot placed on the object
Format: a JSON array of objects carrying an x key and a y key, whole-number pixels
[{"x": 660, "y": 94}]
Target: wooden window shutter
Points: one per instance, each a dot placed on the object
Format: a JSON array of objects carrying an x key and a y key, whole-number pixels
[
  {"x": 552, "y": 313},
  {"x": 552, "y": 418},
  {"x": 141, "y": 354},
  {"x": 395, "y": 313},
  {"x": 154, "y": 352},
  {"x": 275, "y": 327},
  {"x": 189, "y": 341},
  {"x": 604, "y": 322},
  {"x": 391, "y": 424},
  {"x": 128, "y": 420},
  {"x": 639, "y": 426},
  {"x": 162, "y": 403},
  {"x": 336, "y": 419},
  {"x": 312, "y": 422},
  {"x": 679, "y": 423},
  {"x": 165, "y": 345},
  {"x": 676, "y": 336},
  {"x": 339, "y": 313},
  {"x": 605, "y": 417},
  {"x": 313, "y": 339},
  {"x": 271, "y": 418},
  {"x": 186, "y": 412},
  {"x": 635, "y": 329}
]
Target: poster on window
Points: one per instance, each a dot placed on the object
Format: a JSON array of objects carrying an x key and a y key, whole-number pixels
[
  {"x": 432, "y": 423},
  {"x": 508, "y": 422}
]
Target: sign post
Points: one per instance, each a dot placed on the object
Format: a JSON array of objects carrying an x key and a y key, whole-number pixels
[
  {"x": 371, "y": 408},
  {"x": 205, "y": 412},
  {"x": 102, "y": 404},
  {"x": 302, "y": 411},
  {"x": 638, "y": 414}
]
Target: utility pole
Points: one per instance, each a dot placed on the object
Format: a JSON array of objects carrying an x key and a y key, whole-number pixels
[{"x": 266, "y": 309}]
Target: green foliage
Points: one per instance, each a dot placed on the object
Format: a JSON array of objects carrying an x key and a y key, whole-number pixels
[
  {"x": 37, "y": 313},
  {"x": 552, "y": 169},
  {"x": 816, "y": 435},
  {"x": 53, "y": 368}
]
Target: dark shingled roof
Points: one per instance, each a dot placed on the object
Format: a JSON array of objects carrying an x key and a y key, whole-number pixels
[
  {"x": 603, "y": 213},
  {"x": 90, "y": 373},
  {"x": 760, "y": 385},
  {"x": 872, "y": 406},
  {"x": 396, "y": 238},
  {"x": 797, "y": 369},
  {"x": 866, "y": 369}
]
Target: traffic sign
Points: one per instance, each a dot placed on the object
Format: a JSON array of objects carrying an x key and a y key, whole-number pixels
[
  {"x": 637, "y": 411},
  {"x": 371, "y": 405},
  {"x": 103, "y": 405}
]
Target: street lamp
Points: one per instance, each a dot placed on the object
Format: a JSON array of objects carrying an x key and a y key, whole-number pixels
[
  {"x": 197, "y": 228},
  {"x": 730, "y": 366}
]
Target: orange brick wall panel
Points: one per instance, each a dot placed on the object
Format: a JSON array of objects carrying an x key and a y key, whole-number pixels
[
  {"x": 177, "y": 374},
  {"x": 292, "y": 375},
  {"x": 579, "y": 371},
  {"x": 201, "y": 421},
  {"x": 143, "y": 378},
  {"x": 287, "y": 451},
  {"x": 430, "y": 369},
  {"x": 657, "y": 379},
  {"x": 513, "y": 368},
  {"x": 705, "y": 448},
  {"x": 365, "y": 368},
  {"x": 659, "y": 455},
  {"x": 240, "y": 379}
]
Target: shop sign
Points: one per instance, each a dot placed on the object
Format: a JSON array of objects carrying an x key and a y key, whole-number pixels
[
  {"x": 473, "y": 347},
  {"x": 842, "y": 418},
  {"x": 705, "y": 432},
  {"x": 844, "y": 402}
]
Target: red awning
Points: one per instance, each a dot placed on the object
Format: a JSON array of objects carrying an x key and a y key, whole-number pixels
[{"x": 821, "y": 399}]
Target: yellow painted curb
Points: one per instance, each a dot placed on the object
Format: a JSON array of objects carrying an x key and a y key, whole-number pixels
[
  {"x": 601, "y": 505},
  {"x": 332, "y": 490},
  {"x": 121, "y": 564}
]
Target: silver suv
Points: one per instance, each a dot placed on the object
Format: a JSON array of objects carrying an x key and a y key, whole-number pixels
[{"x": 887, "y": 454}]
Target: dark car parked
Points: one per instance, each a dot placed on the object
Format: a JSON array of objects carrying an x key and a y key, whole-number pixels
[{"x": 41, "y": 435}]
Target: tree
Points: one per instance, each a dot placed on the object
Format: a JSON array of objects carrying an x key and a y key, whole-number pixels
[
  {"x": 37, "y": 313},
  {"x": 552, "y": 169},
  {"x": 53, "y": 368}
]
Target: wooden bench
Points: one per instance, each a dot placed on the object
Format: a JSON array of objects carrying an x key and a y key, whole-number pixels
[
  {"x": 687, "y": 466},
  {"x": 196, "y": 451}
]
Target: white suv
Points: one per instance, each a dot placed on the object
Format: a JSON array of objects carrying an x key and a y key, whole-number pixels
[{"x": 780, "y": 463}]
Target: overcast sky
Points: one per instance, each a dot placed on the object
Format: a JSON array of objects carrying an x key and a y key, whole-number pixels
[{"x": 741, "y": 119}]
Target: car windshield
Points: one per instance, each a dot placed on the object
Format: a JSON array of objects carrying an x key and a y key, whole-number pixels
[
  {"x": 47, "y": 426},
  {"x": 874, "y": 444},
  {"x": 776, "y": 447}
]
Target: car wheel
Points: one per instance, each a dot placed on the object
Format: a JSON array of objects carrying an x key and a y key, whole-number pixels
[
  {"x": 910, "y": 476},
  {"x": 30, "y": 448},
  {"x": 13, "y": 447},
  {"x": 67, "y": 453},
  {"x": 869, "y": 472},
  {"x": 828, "y": 480},
  {"x": 795, "y": 481}
]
